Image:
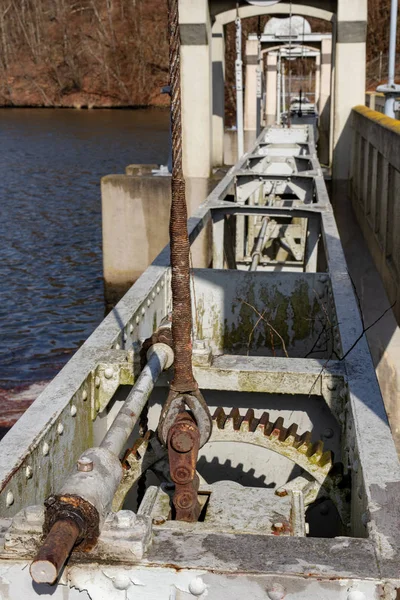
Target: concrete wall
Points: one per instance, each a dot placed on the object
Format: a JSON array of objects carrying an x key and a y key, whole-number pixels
[
  {"x": 374, "y": 192},
  {"x": 375, "y": 189},
  {"x": 135, "y": 221}
]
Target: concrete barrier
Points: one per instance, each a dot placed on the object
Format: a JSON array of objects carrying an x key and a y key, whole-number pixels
[
  {"x": 374, "y": 189},
  {"x": 374, "y": 192},
  {"x": 135, "y": 220}
]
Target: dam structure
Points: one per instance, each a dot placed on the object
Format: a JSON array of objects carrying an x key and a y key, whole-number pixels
[
  {"x": 299, "y": 476},
  {"x": 259, "y": 462}
]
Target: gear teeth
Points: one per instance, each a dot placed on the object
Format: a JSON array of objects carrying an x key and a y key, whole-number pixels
[
  {"x": 276, "y": 429},
  {"x": 234, "y": 420},
  {"x": 263, "y": 423},
  {"x": 316, "y": 451},
  {"x": 291, "y": 434},
  {"x": 309, "y": 453},
  {"x": 326, "y": 459},
  {"x": 249, "y": 423},
  {"x": 303, "y": 443},
  {"x": 220, "y": 417}
]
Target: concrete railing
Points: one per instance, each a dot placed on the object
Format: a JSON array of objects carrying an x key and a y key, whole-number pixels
[
  {"x": 374, "y": 191},
  {"x": 376, "y": 101}
]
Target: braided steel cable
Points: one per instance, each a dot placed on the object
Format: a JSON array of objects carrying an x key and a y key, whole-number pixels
[{"x": 179, "y": 239}]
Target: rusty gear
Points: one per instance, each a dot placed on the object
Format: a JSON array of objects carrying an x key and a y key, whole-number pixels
[{"x": 261, "y": 432}]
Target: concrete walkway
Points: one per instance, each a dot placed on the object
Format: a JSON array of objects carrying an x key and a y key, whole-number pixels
[{"x": 384, "y": 337}]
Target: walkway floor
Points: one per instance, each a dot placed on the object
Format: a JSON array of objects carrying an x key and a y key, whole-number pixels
[{"x": 384, "y": 337}]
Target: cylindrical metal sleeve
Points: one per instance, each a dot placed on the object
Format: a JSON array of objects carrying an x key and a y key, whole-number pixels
[{"x": 54, "y": 552}]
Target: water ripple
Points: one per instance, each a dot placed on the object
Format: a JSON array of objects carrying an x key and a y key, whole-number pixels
[{"x": 51, "y": 292}]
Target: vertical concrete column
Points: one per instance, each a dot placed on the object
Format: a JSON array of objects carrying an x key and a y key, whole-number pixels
[
  {"x": 250, "y": 95},
  {"x": 270, "y": 110},
  {"x": 196, "y": 85},
  {"x": 350, "y": 65},
  {"x": 317, "y": 79},
  {"x": 218, "y": 93},
  {"x": 324, "y": 106}
]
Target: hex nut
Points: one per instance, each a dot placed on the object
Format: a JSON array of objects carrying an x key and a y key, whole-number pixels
[{"x": 84, "y": 464}]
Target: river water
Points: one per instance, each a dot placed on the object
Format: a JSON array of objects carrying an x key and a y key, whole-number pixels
[{"x": 51, "y": 287}]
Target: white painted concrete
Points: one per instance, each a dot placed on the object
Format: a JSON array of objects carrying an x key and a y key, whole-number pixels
[
  {"x": 350, "y": 65},
  {"x": 250, "y": 98},
  {"x": 196, "y": 89},
  {"x": 271, "y": 82},
  {"x": 324, "y": 106}
]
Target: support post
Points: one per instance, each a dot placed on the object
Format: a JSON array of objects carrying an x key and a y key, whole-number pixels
[
  {"x": 218, "y": 93},
  {"x": 317, "y": 80},
  {"x": 218, "y": 241},
  {"x": 350, "y": 67},
  {"x": 278, "y": 90},
  {"x": 239, "y": 89},
  {"x": 271, "y": 88},
  {"x": 324, "y": 106},
  {"x": 196, "y": 77},
  {"x": 250, "y": 103}
]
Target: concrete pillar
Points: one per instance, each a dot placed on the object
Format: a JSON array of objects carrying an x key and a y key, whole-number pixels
[
  {"x": 324, "y": 106},
  {"x": 271, "y": 83},
  {"x": 218, "y": 93},
  {"x": 317, "y": 79},
  {"x": 250, "y": 97},
  {"x": 196, "y": 85},
  {"x": 135, "y": 221},
  {"x": 350, "y": 65}
]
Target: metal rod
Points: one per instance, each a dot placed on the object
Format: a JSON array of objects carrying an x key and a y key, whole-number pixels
[
  {"x": 239, "y": 87},
  {"x": 392, "y": 42},
  {"x": 278, "y": 92},
  {"x": 283, "y": 88},
  {"x": 261, "y": 239},
  {"x": 54, "y": 552},
  {"x": 121, "y": 429}
]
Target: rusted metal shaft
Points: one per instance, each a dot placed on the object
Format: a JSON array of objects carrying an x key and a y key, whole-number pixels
[
  {"x": 54, "y": 551},
  {"x": 179, "y": 240}
]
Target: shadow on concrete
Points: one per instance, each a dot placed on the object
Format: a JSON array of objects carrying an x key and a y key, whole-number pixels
[{"x": 384, "y": 337}]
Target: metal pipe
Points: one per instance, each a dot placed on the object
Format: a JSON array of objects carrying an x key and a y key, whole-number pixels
[
  {"x": 391, "y": 90},
  {"x": 239, "y": 88},
  {"x": 392, "y": 42},
  {"x": 160, "y": 356},
  {"x": 261, "y": 239},
  {"x": 54, "y": 552},
  {"x": 278, "y": 92},
  {"x": 87, "y": 495},
  {"x": 283, "y": 89}
]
